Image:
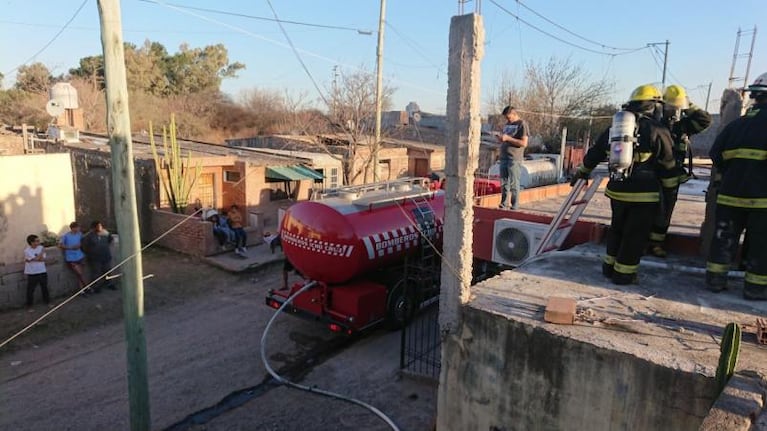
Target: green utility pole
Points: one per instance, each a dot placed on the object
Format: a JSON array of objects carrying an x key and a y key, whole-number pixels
[
  {"x": 379, "y": 88},
  {"x": 124, "y": 191}
]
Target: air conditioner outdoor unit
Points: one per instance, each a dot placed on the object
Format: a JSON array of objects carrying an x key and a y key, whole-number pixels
[{"x": 516, "y": 240}]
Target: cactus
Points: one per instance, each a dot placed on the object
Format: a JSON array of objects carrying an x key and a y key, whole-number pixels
[
  {"x": 179, "y": 176},
  {"x": 728, "y": 358}
]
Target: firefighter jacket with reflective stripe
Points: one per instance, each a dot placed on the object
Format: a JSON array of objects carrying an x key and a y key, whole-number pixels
[
  {"x": 694, "y": 120},
  {"x": 740, "y": 154},
  {"x": 652, "y": 155}
]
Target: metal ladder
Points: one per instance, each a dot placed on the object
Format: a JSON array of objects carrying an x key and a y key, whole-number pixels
[
  {"x": 426, "y": 222},
  {"x": 564, "y": 221}
]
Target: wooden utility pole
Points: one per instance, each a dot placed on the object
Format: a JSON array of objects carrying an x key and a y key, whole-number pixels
[
  {"x": 379, "y": 88},
  {"x": 124, "y": 192},
  {"x": 665, "y": 64}
]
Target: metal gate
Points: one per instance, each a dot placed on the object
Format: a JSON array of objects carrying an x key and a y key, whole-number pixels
[{"x": 420, "y": 343}]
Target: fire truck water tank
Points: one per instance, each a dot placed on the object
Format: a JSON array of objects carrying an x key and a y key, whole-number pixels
[
  {"x": 535, "y": 173},
  {"x": 335, "y": 239}
]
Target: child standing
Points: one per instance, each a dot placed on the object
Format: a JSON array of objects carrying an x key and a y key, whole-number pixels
[{"x": 34, "y": 268}]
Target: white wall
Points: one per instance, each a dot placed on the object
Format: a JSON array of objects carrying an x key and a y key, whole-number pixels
[{"x": 36, "y": 194}]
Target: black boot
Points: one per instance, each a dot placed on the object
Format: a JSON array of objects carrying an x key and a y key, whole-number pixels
[
  {"x": 755, "y": 293},
  {"x": 607, "y": 270},
  {"x": 716, "y": 282},
  {"x": 622, "y": 279}
]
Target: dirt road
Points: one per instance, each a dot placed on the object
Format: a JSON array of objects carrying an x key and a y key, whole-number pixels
[{"x": 203, "y": 329}]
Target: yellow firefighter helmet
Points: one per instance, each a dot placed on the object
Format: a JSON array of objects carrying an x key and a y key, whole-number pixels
[
  {"x": 647, "y": 92},
  {"x": 676, "y": 96}
]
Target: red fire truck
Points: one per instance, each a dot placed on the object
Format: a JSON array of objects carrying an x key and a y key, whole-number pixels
[{"x": 372, "y": 251}]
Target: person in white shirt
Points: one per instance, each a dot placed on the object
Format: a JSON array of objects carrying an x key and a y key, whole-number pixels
[{"x": 34, "y": 269}]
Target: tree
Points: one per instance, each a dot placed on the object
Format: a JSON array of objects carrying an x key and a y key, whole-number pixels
[
  {"x": 152, "y": 70},
  {"x": 34, "y": 78},
  {"x": 146, "y": 69},
  {"x": 199, "y": 69},
  {"x": 550, "y": 92},
  {"x": 91, "y": 69},
  {"x": 352, "y": 109}
]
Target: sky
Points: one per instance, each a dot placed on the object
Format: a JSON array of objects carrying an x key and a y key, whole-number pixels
[{"x": 701, "y": 34}]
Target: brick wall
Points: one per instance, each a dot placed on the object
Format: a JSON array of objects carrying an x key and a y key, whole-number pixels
[{"x": 194, "y": 236}]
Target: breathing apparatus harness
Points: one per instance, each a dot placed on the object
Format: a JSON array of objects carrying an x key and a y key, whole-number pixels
[{"x": 623, "y": 140}]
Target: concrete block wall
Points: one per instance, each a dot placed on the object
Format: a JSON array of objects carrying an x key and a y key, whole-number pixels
[
  {"x": 740, "y": 406},
  {"x": 13, "y": 282},
  {"x": 505, "y": 375}
]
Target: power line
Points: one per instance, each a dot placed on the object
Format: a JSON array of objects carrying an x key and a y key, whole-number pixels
[
  {"x": 53, "y": 39},
  {"x": 125, "y": 30},
  {"x": 281, "y": 44},
  {"x": 298, "y": 56},
  {"x": 263, "y": 18},
  {"x": 575, "y": 117},
  {"x": 573, "y": 33},
  {"x": 415, "y": 47},
  {"x": 566, "y": 42},
  {"x": 668, "y": 69}
]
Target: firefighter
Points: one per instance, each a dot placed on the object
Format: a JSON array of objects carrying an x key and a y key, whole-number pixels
[
  {"x": 739, "y": 153},
  {"x": 683, "y": 120},
  {"x": 634, "y": 188}
]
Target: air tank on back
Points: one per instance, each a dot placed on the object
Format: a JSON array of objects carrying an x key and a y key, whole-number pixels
[
  {"x": 354, "y": 230},
  {"x": 622, "y": 140}
]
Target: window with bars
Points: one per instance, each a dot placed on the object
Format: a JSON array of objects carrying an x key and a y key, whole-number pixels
[
  {"x": 206, "y": 191},
  {"x": 333, "y": 178}
]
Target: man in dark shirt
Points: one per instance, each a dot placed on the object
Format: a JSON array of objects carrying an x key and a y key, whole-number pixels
[
  {"x": 513, "y": 141},
  {"x": 96, "y": 245}
]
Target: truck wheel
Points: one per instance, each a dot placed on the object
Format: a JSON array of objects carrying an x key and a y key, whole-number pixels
[{"x": 400, "y": 306}]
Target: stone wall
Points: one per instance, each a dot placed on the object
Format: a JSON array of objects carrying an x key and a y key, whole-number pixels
[
  {"x": 92, "y": 169},
  {"x": 505, "y": 375}
]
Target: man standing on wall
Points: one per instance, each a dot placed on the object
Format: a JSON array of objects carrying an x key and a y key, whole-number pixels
[{"x": 513, "y": 141}]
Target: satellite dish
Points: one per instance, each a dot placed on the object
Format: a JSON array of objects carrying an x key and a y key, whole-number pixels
[
  {"x": 54, "y": 108},
  {"x": 416, "y": 117}
]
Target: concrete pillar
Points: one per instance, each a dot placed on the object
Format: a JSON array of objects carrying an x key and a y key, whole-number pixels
[{"x": 466, "y": 48}]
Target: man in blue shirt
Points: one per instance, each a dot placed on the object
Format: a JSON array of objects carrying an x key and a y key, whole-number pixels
[
  {"x": 513, "y": 141},
  {"x": 74, "y": 257}
]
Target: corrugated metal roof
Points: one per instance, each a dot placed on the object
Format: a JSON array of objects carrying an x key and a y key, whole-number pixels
[{"x": 292, "y": 173}]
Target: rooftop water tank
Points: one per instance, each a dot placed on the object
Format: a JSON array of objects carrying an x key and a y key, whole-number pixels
[{"x": 65, "y": 94}]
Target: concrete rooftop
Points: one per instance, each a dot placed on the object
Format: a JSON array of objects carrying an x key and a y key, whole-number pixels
[{"x": 668, "y": 318}]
